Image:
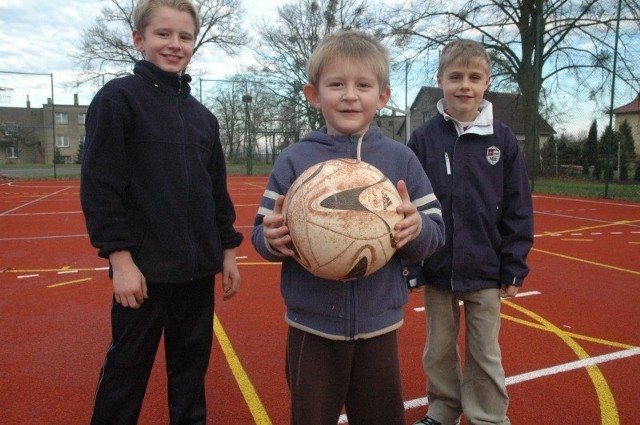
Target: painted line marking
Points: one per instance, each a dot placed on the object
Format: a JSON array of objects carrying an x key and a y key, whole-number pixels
[
  {"x": 540, "y": 373},
  {"x": 71, "y": 282},
  {"x": 593, "y": 263},
  {"x": 518, "y": 295},
  {"x": 35, "y": 238},
  {"x": 606, "y": 401},
  {"x": 58, "y": 270},
  {"x": 584, "y": 229},
  {"x": 34, "y": 201},
  {"x": 608, "y": 409},
  {"x": 26, "y": 276},
  {"x": 247, "y": 389}
]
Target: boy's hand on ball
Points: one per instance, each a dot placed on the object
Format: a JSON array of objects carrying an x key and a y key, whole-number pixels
[
  {"x": 409, "y": 227},
  {"x": 275, "y": 232}
]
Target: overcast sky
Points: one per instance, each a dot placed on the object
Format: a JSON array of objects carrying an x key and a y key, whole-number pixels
[{"x": 38, "y": 36}]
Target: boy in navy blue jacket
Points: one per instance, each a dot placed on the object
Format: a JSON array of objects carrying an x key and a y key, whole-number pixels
[
  {"x": 342, "y": 344},
  {"x": 479, "y": 176},
  {"x": 155, "y": 199}
]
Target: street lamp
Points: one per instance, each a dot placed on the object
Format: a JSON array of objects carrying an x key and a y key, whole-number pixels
[{"x": 247, "y": 138}]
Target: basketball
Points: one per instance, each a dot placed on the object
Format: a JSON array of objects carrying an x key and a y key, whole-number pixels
[{"x": 340, "y": 214}]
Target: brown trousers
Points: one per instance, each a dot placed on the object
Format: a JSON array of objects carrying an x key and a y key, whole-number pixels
[{"x": 362, "y": 375}]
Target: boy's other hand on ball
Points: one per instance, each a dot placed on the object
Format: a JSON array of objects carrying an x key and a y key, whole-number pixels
[
  {"x": 409, "y": 227},
  {"x": 275, "y": 232}
]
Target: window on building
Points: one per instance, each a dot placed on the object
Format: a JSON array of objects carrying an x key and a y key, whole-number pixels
[
  {"x": 62, "y": 118},
  {"x": 81, "y": 118},
  {"x": 9, "y": 128},
  {"x": 62, "y": 141},
  {"x": 11, "y": 152}
]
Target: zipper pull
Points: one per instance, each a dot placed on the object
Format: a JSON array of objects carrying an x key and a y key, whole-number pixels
[{"x": 447, "y": 163}]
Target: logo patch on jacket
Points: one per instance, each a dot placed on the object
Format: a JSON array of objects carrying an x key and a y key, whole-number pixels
[{"x": 493, "y": 155}]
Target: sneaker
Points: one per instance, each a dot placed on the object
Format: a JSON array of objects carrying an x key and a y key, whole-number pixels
[{"x": 427, "y": 421}]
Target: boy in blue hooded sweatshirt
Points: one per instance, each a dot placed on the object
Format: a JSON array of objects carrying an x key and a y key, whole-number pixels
[{"x": 342, "y": 341}]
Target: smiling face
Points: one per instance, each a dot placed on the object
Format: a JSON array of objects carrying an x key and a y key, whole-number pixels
[
  {"x": 168, "y": 39},
  {"x": 463, "y": 84},
  {"x": 349, "y": 95}
]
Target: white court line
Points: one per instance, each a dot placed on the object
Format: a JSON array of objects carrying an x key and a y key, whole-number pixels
[
  {"x": 34, "y": 201},
  {"x": 45, "y": 213},
  {"x": 33, "y": 238},
  {"x": 26, "y": 276},
  {"x": 588, "y": 201},
  {"x": 519, "y": 295},
  {"x": 540, "y": 373}
]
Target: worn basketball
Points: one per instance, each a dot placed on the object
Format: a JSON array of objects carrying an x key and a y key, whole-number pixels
[{"x": 340, "y": 214}]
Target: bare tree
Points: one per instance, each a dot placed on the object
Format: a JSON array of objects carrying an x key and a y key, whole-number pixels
[
  {"x": 246, "y": 108},
  {"x": 107, "y": 47},
  {"x": 226, "y": 102},
  {"x": 536, "y": 45},
  {"x": 284, "y": 45}
]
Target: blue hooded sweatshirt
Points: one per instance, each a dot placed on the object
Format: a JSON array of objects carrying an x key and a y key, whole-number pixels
[{"x": 372, "y": 305}]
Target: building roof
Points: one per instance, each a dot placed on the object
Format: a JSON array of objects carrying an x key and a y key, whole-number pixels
[
  {"x": 633, "y": 106},
  {"x": 507, "y": 107}
]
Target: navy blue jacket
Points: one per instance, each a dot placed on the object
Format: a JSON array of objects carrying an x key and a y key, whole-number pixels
[
  {"x": 482, "y": 184},
  {"x": 372, "y": 305},
  {"x": 154, "y": 177}
]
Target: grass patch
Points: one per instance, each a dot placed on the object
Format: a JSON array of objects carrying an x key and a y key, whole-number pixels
[
  {"x": 541, "y": 185},
  {"x": 240, "y": 169},
  {"x": 587, "y": 188}
]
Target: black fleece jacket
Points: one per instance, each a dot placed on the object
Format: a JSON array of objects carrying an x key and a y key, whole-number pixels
[{"x": 154, "y": 177}]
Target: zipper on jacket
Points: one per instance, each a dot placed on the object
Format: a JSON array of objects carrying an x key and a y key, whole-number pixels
[
  {"x": 447, "y": 164},
  {"x": 453, "y": 216}
]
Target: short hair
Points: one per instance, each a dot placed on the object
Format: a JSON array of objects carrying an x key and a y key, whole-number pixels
[
  {"x": 145, "y": 8},
  {"x": 350, "y": 45},
  {"x": 465, "y": 51}
]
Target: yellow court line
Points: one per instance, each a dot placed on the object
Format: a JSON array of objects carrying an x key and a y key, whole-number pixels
[
  {"x": 593, "y": 263},
  {"x": 71, "y": 282},
  {"x": 61, "y": 269},
  {"x": 608, "y": 409},
  {"x": 576, "y": 240},
  {"x": 582, "y": 229},
  {"x": 103, "y": 268},
  {"x": 573, "y": 335},
  {"x": 256, "y": 408}
]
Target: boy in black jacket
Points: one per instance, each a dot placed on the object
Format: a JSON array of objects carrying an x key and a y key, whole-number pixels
[
  {"x": 154, "y": 195},
  {"x": 479, "y": 176}
]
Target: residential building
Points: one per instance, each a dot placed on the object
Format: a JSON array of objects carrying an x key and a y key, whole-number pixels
[
  {"x": 34, "y": 135},
  {"x": 631, "y": 113}
]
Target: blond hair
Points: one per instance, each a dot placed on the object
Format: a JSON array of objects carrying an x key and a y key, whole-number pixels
[
  {"x": 145, "y": 8},
  {"x": 465, "y": 51},
  {"x": 350, "y": 45}
]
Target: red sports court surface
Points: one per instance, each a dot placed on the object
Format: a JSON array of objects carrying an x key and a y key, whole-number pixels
[{"x": 571, "y": 341}]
